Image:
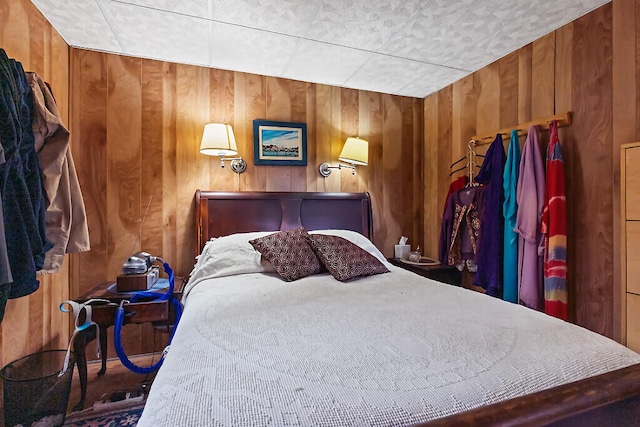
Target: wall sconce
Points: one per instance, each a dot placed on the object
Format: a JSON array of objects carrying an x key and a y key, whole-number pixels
[
  {"x": 355, "y": 152},
  {"x": 218, "y": 140}
]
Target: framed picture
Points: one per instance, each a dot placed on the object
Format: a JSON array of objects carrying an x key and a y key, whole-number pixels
[{"x": 279, "y": 143}]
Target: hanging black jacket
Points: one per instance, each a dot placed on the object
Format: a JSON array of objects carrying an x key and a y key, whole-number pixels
[{"x": 20, "y": 185}]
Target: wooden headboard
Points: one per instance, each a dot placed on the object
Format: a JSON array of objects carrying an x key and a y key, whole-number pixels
[{"x": 222, "y": 213}]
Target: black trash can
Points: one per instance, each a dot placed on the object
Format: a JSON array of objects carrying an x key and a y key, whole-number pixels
[{"x": 34, "y": 393}]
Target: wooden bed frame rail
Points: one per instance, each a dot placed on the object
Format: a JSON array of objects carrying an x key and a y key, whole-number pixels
[{"x": 610, "y": 399}]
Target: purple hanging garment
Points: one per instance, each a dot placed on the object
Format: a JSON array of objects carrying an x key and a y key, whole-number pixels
[
  {"x": 530, "y": 194},
  {"x": 490, "y": 248}
]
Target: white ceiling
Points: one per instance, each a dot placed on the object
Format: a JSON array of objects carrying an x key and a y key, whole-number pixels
[{"x": 402, "y": 47}]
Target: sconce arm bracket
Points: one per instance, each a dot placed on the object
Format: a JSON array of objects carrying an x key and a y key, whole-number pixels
[
  {"x": 325, "y": 168},
  {"x": 238, "y": 165}
]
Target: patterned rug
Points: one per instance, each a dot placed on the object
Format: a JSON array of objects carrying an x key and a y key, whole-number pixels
[{"x": 120, "y": 417}]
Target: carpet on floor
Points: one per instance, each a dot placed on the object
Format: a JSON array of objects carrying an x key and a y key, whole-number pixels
[{"x": 114, "y": 417}]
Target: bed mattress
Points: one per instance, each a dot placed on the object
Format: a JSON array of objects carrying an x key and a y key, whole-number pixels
[{"x": 391, "y": 349}]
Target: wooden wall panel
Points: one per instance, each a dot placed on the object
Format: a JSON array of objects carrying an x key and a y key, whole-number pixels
[
  {"x": 392, "y": 165},
  {"x": 542, "y": 75},
  {"x": 569, "y": 69},
  {"x": 34, "y": 323},
  {"x": 625, "y": 123},
  {"x": 221, "y": 87},
  {"x": 590, "y": 172},
  {"x": 299, "y": 103},
  {"x": 89, "y": 147},
  {"x": 150, "y": 147},
  {"x": 509, "y": 91},
  {"x": 432, "y": 206},
  {"x": 278, "y": 104},
  {"x": 371, "y": 118}
]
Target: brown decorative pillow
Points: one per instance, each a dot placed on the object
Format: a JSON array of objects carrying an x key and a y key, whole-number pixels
[
  {"x": 343, "y": 259},
  {"x": 289, "y": 253}
]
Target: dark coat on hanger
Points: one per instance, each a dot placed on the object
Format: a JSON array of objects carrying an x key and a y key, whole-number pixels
[
  {"x": 490, "y": 251},
  {"x": 20, "y": 184}
]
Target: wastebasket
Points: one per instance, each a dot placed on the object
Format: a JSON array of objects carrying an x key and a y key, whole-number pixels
[{"x": 34, "y": 393}]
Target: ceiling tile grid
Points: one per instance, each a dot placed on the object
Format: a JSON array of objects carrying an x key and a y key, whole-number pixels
[
  {"x": 324, "y": 63},
  {"x": 404, "y": 47},
  {"x": 151, "y": 33},
  {"x": 362, "y": 24},
  {"x": 287, "y": 17},
  {"x": 198, "y": 8},
  {"x": 387, "y": 74},
  {"x": 80, "y": 23},
  {"x": 249, "y": 50}
]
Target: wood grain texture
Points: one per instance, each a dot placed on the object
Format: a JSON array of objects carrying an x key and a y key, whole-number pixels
[
  {"x": 392, "y": 166},
  {"x": 633, "y": 322},
  {"x": 633, "y": 256},
  {"x": 632, "y": 184},
  {"x": 590, "y": 173},
  {"x": 542, "y": 75},
  {"x": 138, "y": 125},
  {"x": 525, "y": 83},
  {"x": 509, "y": 90},
  {"x": 27, "y": 37},
  {"x": 625, "y": 95},
  {"x": 569, "y": 68},
  {"x": 432, "y": 206}
]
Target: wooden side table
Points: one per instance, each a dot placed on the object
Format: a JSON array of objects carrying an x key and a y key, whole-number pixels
[
  {"x": 441, "y": 273},
  {"x": 158, "y": 312}
]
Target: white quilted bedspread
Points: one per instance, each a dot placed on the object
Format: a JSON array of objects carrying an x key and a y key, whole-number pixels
[{"x": 393, "y": 349}]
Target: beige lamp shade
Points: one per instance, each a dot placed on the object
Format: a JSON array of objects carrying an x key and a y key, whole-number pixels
[
  {"x": 355, "y": 151},
  {"x": 218, "y": 140}
]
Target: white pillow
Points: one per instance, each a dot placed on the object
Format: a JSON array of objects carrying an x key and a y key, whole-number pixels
[
  {"x": 358, "y": 239},
  {"x": 227, "y": 256}
]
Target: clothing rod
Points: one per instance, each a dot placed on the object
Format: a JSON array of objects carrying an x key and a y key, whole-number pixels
[{"x": 563, "y": 120}]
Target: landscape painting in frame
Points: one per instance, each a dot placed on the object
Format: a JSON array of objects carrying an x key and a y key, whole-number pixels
[{"x": 279, "y": 143}]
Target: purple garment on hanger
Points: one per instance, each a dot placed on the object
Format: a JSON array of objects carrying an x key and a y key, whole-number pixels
[
  {"x": 530, "y": 195},
  {"x": 490, "y": 250}
]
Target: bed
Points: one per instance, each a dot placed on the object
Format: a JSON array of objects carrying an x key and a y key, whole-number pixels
[{"x": 386, "y": 349}]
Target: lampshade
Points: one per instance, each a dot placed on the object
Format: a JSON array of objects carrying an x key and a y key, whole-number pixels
[
  {"x": 355, "y": 151},
  {"x": 218, "y": 140}
]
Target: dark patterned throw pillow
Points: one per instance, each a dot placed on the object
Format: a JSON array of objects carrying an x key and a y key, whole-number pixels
[
  {"x": 289, "y": 253},
  {"x": 343, "y": 259}
]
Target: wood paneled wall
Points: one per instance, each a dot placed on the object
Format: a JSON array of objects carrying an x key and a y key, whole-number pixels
[
  {"x": 34, "y": 323},
  {"x": 626, "y": 116},
  {"x": 567, "y": 70},
  {"x": 137, "y": 125}
]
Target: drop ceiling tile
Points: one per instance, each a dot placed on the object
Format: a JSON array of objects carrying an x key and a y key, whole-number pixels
[
  {"x": 391, "y": 74},
  {"x": 325, "y": 63},
  {"x": 80, "y": 23},
  {"x": 289, "y": 17},
  {"x": 159, "y": 35},
  {"x": 249, "y": 50},
  {"x": 443, "y": 30},
  {"x": 432, "y": 81},
  {"x": 199, "y": 8},
  {"x": 318, "y": 40},
  {"x": 362, "y": 24},
  {"x": 520, "y": 23}
]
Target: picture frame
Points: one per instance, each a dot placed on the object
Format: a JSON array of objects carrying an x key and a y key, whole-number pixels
[{"x": 279, "y": 143}]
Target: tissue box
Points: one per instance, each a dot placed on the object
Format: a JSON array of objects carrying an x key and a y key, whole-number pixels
[{"x": 402, "y": 251}]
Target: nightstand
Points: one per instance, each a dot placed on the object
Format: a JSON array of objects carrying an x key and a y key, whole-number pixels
[
  {"x": 160, "y": 313},
  {"x": 441, "y": 273}
]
